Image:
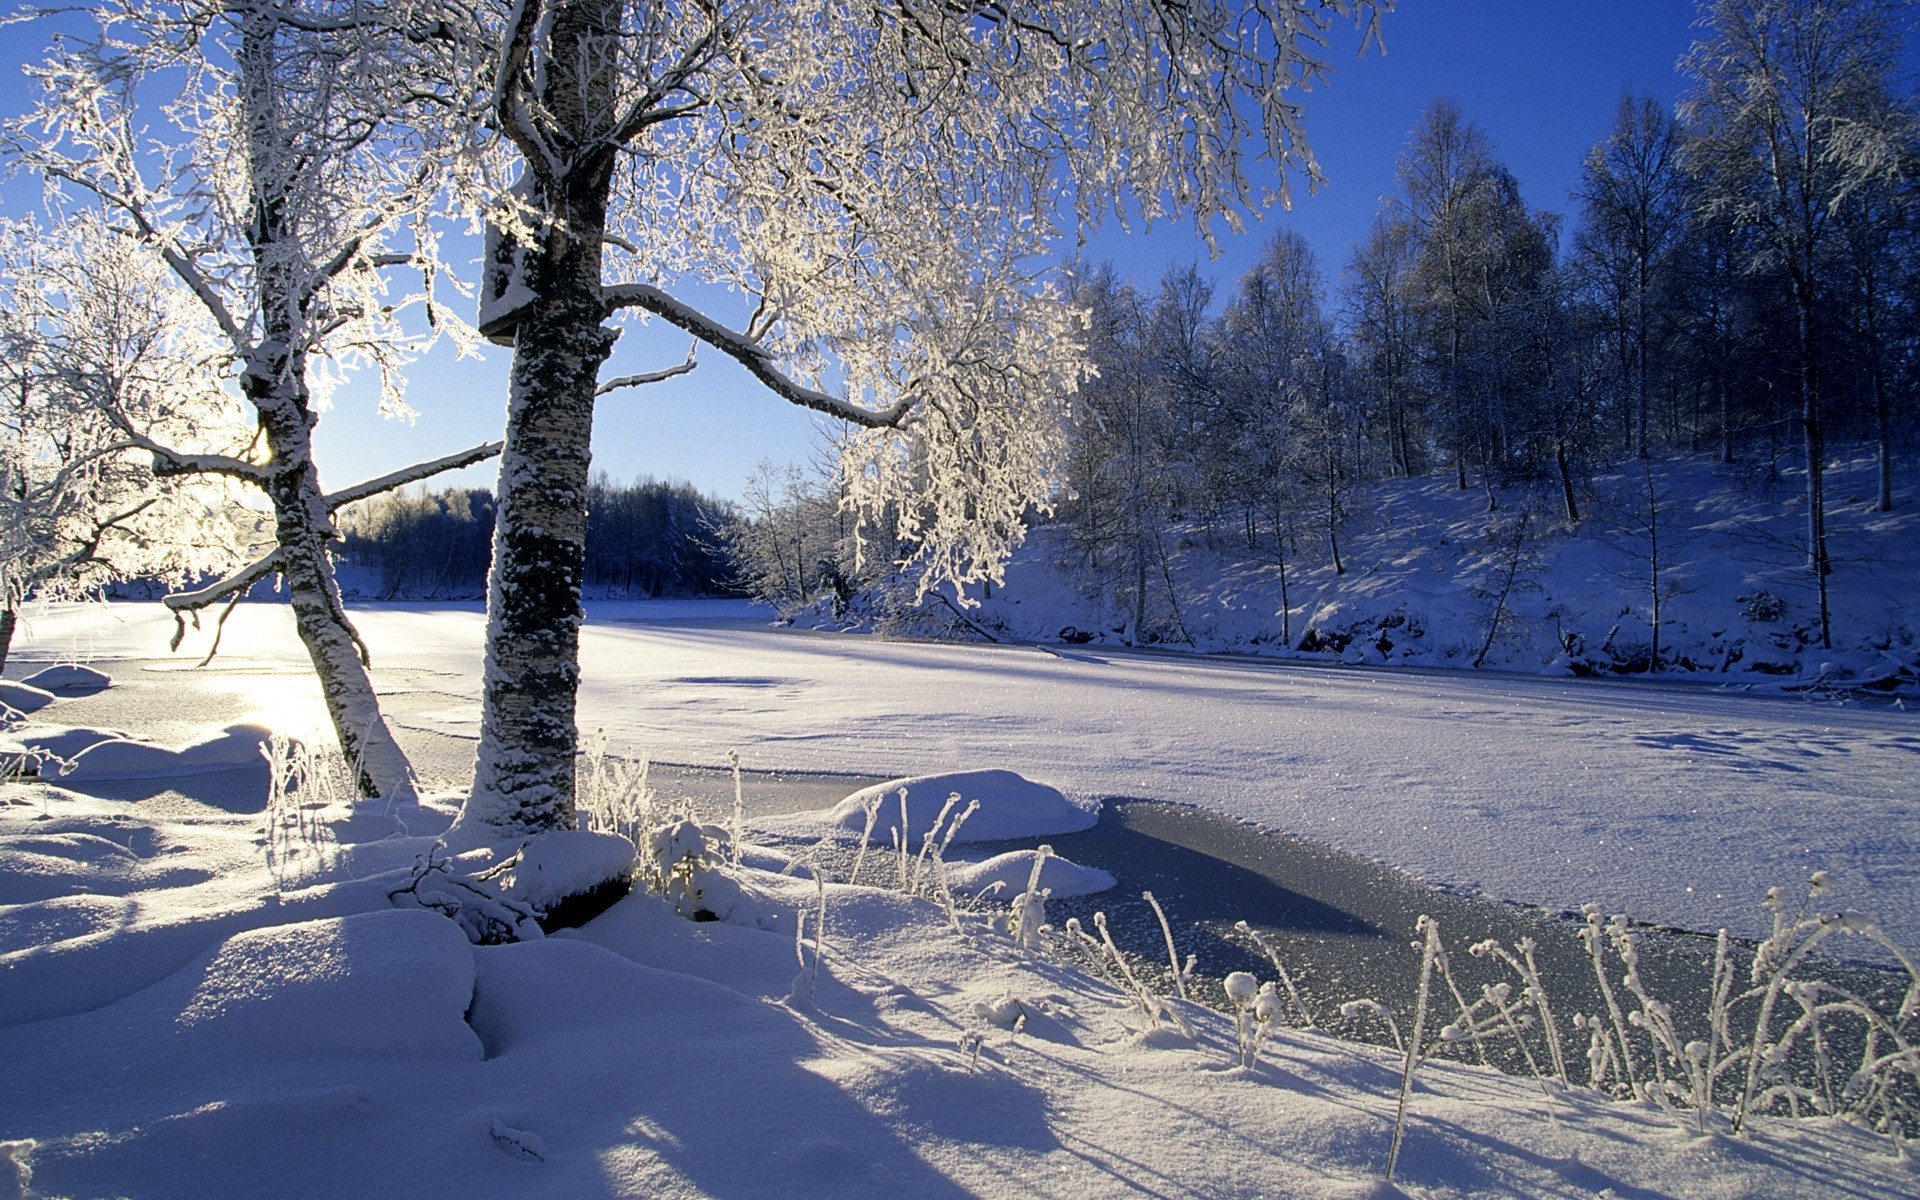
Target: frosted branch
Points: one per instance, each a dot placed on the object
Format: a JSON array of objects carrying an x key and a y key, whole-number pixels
[
  {"x": 758, "y": 362},
  {"x": 168, "y": 462},
  {"x": 213, "y": 593},
  {"x": 413, "y": 474},
  {"x": 642, "y": 380}
]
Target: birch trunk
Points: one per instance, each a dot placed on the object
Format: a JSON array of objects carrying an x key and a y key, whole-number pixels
[
  {"x": 275, "y": 382},
  {"x": 302, "y": 528}
]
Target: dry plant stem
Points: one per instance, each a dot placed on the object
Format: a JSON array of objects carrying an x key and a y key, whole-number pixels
[
  {"x": 739, "y": 807},
  {"x": 1173, "y": 955},
  {"x": 1148, "y": 1002},
  {"x": 1429, "y": 952},
  {"x": 927, "y": 843},
  {"x": 1286, "y": 980},
  {"x": 866, "y": 837},
  {"x": 900, "y": 841}
]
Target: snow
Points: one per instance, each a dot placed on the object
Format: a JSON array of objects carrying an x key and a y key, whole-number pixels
[
  {"x": 1010, "y": 807},
  {"x": 22, "y": 698},
  {"x": 1005, "y": 876},
  {"x": 178, "y": 1021},
  {"x": 121, "y": 758},
  {"x": 69, "y": 679}
]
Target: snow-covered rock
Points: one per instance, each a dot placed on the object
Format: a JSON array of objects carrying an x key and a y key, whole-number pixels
[
  {"x": 379, "y": 985},
  {"x": 571, "y": 876},
  {"x": 1005, "y": 875}
]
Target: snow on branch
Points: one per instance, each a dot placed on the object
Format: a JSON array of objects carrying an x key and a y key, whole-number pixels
[
  {"x": 213, "y": 593},
  {"x": 758, "y": 362},
  {"x": 405, "y": 475},
  {"x": 642, "y": 380},
  {"x": 168, "y": 462}
]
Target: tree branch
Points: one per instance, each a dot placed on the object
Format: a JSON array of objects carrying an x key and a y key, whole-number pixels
[
  {"x": 413, "y": 474},
  {"x": 168, "y": 462},
  {"x": 758, "y": 362},
  {"x": 627, "y": 381},
  {"x": 213, "y": 593}
]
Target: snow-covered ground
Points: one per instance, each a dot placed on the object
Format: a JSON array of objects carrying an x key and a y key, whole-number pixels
[
  {"x": 1427, "y": 565},
  {"x": 181, "y": 1020}
]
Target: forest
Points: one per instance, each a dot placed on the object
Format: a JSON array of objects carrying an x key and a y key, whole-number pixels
[{"x": 1727, "y": 286}]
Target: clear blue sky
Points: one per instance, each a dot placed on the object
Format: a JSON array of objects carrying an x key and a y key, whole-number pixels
[{"x": 1541, "y": 77}]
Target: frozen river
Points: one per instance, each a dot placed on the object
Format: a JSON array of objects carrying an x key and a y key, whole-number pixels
[{"x": 1673, "y": 804}]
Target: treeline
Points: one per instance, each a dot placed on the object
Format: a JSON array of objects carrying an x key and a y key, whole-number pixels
[
  {"x": 1737, "y": 281},
  {"x": 647, "y": 538},
  {"x": 1740, "y": 279}
]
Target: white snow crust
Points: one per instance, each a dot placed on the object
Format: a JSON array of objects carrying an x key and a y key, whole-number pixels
[
  {"x": 1005, "y": 876},
  {"x": 1011, "y": 807}
]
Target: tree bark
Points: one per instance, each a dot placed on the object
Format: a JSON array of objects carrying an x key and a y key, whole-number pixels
[{"x": 9, "y": 618}]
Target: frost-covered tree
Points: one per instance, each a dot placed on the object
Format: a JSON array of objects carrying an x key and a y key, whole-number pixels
[
  {"x": 255, "y": 149},
  {"x": 1790, "y": 117},
  {"x": 97, "y": 353},
  {"x": 876, "y": 181},
  {"x": 1631, "y": 221}
]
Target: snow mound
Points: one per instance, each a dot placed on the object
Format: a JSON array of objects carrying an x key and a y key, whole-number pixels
[
  {"x": 378, "y": 985},
  {"x": 24, "y": 698},
  {"x": 1005, "y": 875},
  {"x": 70, "y": 680},
  {"x": 1011, "y": 807},
  {"x": 234, "y": 746},
  {"x": 62, "y": 742}
]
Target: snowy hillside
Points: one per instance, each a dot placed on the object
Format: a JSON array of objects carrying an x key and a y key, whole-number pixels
[{"x": 1431, "y": 573}]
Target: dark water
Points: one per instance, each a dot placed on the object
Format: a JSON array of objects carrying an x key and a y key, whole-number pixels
[{"x": 1345, "y": 928}]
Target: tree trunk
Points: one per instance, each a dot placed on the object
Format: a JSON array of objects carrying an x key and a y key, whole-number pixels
[
  {"x": 8, "y": 619},
  {"x": 302, "y": 528},
  {"x": 524, "y": 777},
  {"x": 1816, "y": 451},
  {"x": 1566, "y": 483},
  {"x": 275, "y": 382}
]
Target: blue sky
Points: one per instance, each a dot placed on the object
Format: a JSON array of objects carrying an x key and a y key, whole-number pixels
[{"x": 1541, "y": 77}]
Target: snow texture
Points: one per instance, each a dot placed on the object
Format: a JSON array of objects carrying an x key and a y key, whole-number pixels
[
  {"x": 235, "y": 746},
  {"x": 23, "y": 698}
]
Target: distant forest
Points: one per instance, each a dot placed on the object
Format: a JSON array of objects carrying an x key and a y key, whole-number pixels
[
  {"x": 1741, "y": 278},
  {"x": 648, "y": 538}
]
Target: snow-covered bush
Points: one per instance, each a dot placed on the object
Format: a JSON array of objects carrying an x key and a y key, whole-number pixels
[{"x": 680, "y": 854}]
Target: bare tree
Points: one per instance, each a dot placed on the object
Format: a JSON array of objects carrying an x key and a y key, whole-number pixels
[
  {"x": 254, "y": 148},
  {"x": 1631, "y": 217},
  {"x": 93, "y": 343},
  {"x": 1787, "y": 94}
]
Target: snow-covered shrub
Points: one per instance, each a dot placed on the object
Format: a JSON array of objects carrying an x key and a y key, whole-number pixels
[
  {"x": 484, "y": 913},
  {"x": 679, "y": 854}
]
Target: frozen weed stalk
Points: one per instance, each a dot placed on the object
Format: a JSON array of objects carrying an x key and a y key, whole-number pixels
[
  {"x": 303, "y": 781},
  {"x": 1029, "y": 912},
  {"x": 1279, "y": 968},
  {"x": 615, "y": 797},
  {"x": 1180, "y": 973},
  {"x": 1256, "y": 1006}
]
